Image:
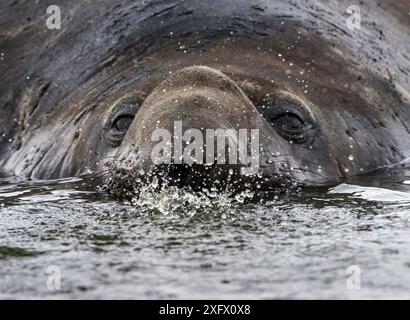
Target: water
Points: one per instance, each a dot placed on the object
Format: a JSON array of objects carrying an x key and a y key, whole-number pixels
[{"x": 174, "y": 244}]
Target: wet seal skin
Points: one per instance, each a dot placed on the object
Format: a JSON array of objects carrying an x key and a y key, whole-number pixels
[{"x": 329, "y": 102}]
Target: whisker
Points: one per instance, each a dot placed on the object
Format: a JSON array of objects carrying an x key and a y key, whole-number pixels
[
  {"x": 96, "y": 174},
  {"x": 310, "y": 171},
  {"x": 280, "y": 155}
]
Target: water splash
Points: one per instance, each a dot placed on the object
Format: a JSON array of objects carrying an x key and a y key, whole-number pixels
[{"x": 171, "y": 200}]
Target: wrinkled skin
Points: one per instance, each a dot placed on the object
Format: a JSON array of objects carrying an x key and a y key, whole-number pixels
[{"x": 87, "y": 98}]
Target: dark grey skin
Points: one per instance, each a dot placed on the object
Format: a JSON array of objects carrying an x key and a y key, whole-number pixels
[{"x": 330, "y": 103}]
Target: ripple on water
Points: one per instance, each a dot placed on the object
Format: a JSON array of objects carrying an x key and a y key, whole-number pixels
[
  {"x": 372, "y": 193},
  {"x": 179, "y": 244},
  {"x": 8, "y": 252}
]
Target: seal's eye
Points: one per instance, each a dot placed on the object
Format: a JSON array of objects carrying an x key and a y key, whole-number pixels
[
  {"x": 289, "y": 119},
  {"x": 120, "y": 121},
  {"x": 290, "y": 126}
]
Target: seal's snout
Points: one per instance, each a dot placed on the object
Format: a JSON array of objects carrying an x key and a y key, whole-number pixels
[{"x": 197, "y": 125}]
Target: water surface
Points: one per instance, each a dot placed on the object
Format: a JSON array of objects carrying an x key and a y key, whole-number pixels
[{"x": 175, "y": 244}]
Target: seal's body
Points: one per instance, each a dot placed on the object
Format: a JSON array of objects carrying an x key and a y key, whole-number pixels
[{"x": 328, "y": 102}]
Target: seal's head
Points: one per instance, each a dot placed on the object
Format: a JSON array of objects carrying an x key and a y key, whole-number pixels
[
  {"x": 198, "y": 128},
  {"x": 292, "y": 93}
]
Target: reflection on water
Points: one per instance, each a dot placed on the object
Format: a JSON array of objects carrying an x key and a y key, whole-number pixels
[
  {"x": 372, "y": 193},
  {"x": 176, "y": 244}
]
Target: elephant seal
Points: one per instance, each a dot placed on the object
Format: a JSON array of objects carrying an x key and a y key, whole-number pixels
[{"x": 327, "y": 102}]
